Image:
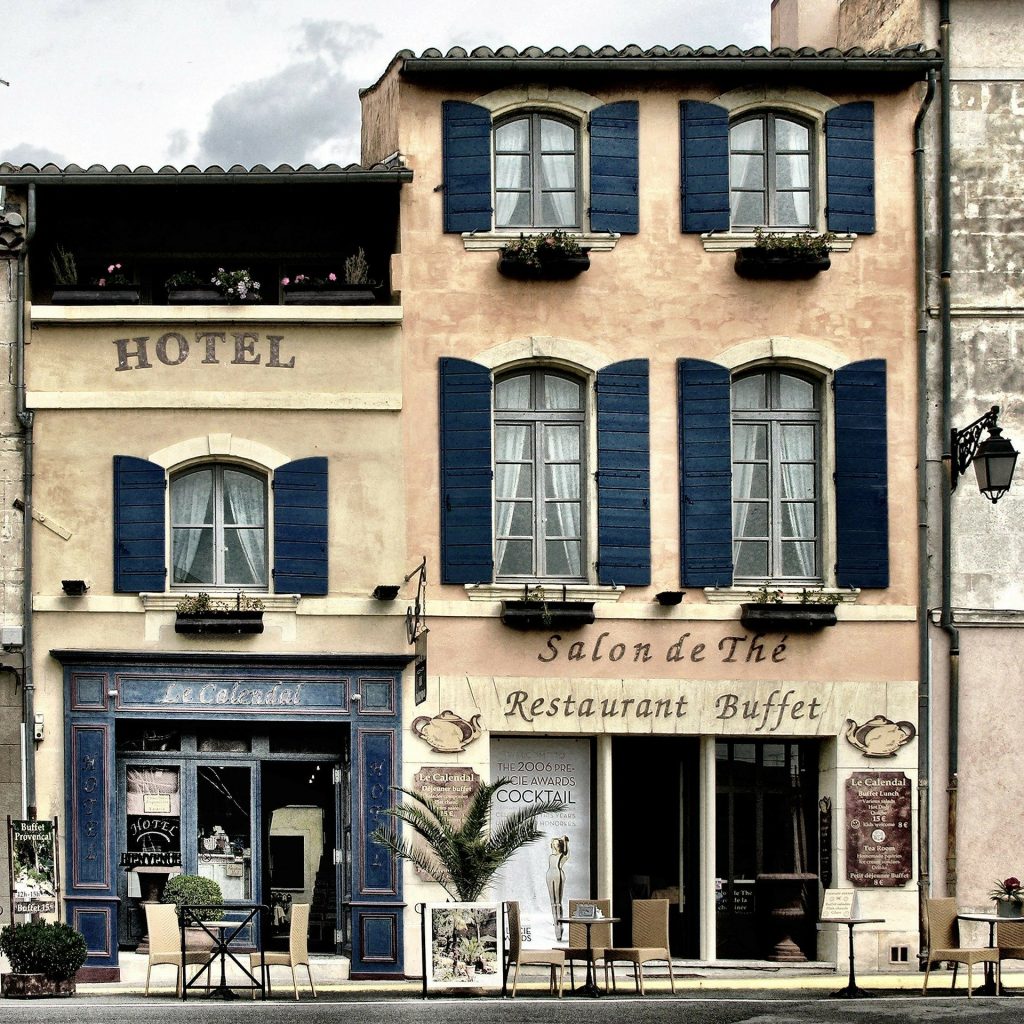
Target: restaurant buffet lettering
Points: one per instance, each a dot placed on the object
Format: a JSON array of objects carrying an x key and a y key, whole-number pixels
[{"x": 240, "y": 348}]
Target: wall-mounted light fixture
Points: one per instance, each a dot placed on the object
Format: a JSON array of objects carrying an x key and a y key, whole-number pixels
[
  {"x": 74, "y": 588},
  {"x": 386, "y": 591},
  {"x": 667, "y": 598},
  {"x": 994, "y": 457}
]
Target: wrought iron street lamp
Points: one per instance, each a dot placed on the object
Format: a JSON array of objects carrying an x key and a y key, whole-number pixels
[{"x": 994, "y": 457}]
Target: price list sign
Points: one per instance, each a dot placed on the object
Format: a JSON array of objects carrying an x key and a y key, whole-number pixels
[{"x": 878, "y": 833}]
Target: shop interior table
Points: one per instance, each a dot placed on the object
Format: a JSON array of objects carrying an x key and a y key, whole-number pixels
[
  {"x": 591, "y": 987},
  {"x": 852, "y": 991},
  {"x": 223, "y": 932}
]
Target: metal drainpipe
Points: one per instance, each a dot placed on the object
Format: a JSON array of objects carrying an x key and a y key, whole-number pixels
[
  {"x": 25, "y": 418},
  {"x": 923, "y": 659},
  {"x": 946, "y": 326}
]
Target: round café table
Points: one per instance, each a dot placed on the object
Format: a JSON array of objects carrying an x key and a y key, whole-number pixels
[
  {"x": 852, "y": 991},
  {"x": 988, "y": 987},
  {"x": 590, "y": 988}
]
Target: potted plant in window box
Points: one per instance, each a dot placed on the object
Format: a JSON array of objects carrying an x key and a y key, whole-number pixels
[
  {"x": 200, "y": 613},
  {"x": 356, "y": 289},
  {"x": 785, "y": 257},
  {"x": 44, "y": 957},
  {"x": 814, "y": 609},
  {"x": 111, "y": 288},
  {"x": 536, "y": 611},
  {"x": 222, "y": 287},
  {"x": 552, "y": 256}
]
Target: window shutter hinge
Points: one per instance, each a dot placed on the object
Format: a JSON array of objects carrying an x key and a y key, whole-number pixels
[
  {"x": 339, "y": 936},
  {"x": 336, "y": 776},
  {"x": 338, "y": 857}
]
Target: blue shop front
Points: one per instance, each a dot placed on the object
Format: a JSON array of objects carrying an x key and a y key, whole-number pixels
[{"x": 265, "y": 773}]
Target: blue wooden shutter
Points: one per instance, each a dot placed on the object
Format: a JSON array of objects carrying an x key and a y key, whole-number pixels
[
  {"x": 850, "y": 168},
  {"x": 862, "y": 485},
  {"x": 704, "y": 166},
  {"x": 466, "y": 471},
  {"x": 705, "y": 474},
  {"x": 466, "y": 155},
  {"x": 624, "y": 474},
  {"x": 615, "y": 168},
  {"x": 300, "y": 527},
  {"x": 140, "y": 529}
]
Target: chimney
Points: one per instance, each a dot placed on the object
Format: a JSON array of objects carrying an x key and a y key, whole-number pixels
[{"x": 797, "y": 23}]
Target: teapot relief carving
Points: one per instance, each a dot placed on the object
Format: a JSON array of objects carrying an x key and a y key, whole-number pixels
[
  {"x": 447, "y": 732},
  {"x": 879, "y": 737}
]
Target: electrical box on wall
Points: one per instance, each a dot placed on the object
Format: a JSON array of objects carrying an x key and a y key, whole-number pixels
[
  {"x": 38, "y": 727},
  {"x": 11, "y": 636}
]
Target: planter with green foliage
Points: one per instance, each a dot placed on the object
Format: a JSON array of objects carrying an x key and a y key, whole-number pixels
[
  {"x": 553, "y": 256},
  {"x": 44, "y": 958},
  {"x": 785, "y": 257},
  {"x": 812, "y": 609},
  {"x": 199, "y": 613},
  {"x": 461, "y": 854},
  {"x": 194, "y": 890}
]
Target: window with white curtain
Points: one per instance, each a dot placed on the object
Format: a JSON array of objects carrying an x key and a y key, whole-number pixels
[
  {"x": 538, "y": 476},
  {"x": 776, "y": 476},
  {"x": 219, "y": 527},
  {"x": 771, "y": 172},
  {"x": 536, "y": 171}
]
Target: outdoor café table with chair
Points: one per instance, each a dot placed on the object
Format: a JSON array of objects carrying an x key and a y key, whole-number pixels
[
  {"x": 223, "y": 932},
  {"x": 588, "y": 919},
  {"x": 989, "y": 988}
]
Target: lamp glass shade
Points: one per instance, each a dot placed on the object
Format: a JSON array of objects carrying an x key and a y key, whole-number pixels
[{"x": 994, "y": 464}]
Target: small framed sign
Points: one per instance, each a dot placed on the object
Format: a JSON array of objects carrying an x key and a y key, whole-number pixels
[
  {"x": 838, "y": 904},
  {"x": 585, "y": 910}
]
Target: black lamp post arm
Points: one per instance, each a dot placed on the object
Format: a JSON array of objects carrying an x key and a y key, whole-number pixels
[{"x": 964, "y": 443}]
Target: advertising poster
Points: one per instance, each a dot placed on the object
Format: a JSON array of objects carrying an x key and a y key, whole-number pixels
[
  {"x": 544, "y": 876},
  {"x": 33, "y": 867},
  {"x": 464, "y": 943}
]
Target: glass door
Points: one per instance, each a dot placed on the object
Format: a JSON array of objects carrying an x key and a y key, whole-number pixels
[{"x": 223, "y": 827}]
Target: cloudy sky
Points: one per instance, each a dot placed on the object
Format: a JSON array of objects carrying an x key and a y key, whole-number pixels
[{"x": 274, "y": 81}]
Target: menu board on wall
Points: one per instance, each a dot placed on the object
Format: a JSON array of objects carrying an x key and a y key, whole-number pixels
[
  {"x": 544, "y": 875},
  {"x": 878, "y": 833}
]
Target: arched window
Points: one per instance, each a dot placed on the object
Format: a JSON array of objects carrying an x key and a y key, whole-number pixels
[
  {"x": 536, "y": 172},
  {"x": 538, "y": 476},
  {"x": 776, "y": 458},
  {"x": 771, "y": 169},
  {"x": 219, "y": 527}
]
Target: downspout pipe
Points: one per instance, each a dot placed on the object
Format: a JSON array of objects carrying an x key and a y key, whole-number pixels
[
  {"x": 26, "y": 420},
  {"x": 923, "y": 657},
  {"x": 946, "y": 329}
]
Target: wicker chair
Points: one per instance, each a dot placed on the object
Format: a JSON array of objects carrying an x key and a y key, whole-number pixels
[
  {"x": 600, "y": 937},
  {"x": 944, "y": 943},
  {"x": 297, "y": 955},
  {"x": 1010, "y": 940},
  {"x": 551, "y": 958},
  {"x": 165, "y": 944},
  {"x": 650, "y": 942}
]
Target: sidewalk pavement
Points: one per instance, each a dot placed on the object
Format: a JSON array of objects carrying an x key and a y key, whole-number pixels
[{"x": 693, "y": 978}]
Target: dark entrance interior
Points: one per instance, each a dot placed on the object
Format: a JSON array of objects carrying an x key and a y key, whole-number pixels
[
  {"x": 655, "y": 813},
  {"x": 766, "y": 849}
]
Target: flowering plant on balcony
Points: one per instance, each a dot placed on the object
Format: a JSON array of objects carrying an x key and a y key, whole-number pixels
[
  {"x": 316, "y": 284},
  {"x": 1009, "y": 890},
  {"x": 237, "y": 284},
  {"x": 115, "y": 277}
]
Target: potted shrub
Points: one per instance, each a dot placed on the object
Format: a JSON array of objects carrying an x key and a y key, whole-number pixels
[
  {"x": 813, "y": 609},
  {"x": 113, "y": 287},
  {"x": 353, "y": 288},
  {"x": 551, "y": 256},
  {"x": 536, "y": 611},
  {"x": 1008, "y": 896},
  {"x": 785, "y": 257},
  {"x": 195, "y": 890},
  {"x": 199, "y": 613},
  {"x": 44, "y": 957}
]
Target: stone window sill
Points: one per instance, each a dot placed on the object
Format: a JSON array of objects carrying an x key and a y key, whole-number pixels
[
  {"x": 730, "y": 241},
  {"x": 790, "y": 595},
  {"x": 552, "y": 591},
  {"x": 493, "y": 241}
]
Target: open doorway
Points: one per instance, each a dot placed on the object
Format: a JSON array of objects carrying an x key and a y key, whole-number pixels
[{"x": 656, "y": 834}]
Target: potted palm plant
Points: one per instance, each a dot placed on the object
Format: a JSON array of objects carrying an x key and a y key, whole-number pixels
[
  {"x": 785, "y": 257},
  {"x": 44, "y": 958},
  {"x": 461, "y": 854}
]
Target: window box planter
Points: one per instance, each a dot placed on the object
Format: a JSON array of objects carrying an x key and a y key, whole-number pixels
[
  {"x": 77, "y": 295},
  {"x": 356, "y": 295},
  {"x": 527, "y": 615},
  {"x": 779, "y": 265},
  {"x": 217, "y": 621},
  {"x": 787, "y": 618},
  {"x": 197, "y": 297},
  {"x": 556, "y": 268}
]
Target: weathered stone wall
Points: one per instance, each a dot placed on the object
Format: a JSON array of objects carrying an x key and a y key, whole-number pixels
[{"x": 880, "y": 24}]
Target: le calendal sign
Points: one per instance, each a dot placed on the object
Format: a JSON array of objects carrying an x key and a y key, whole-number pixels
[{"x": 878, "y": 832}]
